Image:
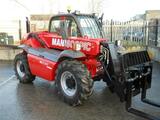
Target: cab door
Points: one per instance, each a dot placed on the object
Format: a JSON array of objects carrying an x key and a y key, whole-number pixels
[
  {"x": 57, "y": 30},
  {"x": 72, "y": 28}
]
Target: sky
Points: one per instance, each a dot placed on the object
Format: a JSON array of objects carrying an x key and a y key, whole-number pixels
[
  {"x": 125, "y": 9},
  {"x": 112, "y": 9}
]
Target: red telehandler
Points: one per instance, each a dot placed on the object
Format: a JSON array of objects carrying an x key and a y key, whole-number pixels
[{"x": 74, "y": 54}]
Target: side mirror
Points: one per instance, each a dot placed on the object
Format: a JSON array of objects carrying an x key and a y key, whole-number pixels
[{"x": 120, "y": 47}]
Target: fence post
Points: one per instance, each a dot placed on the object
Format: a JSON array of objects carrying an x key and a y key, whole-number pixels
[
  {"x": 111, "y": 29},
  {"x": 146, "y": 33},
  {"x": 27, "y": 25},
  {"x": 131, "y": 30},
  {"x": 156, "y": 40},
  {"x": 20, "y": 30}
]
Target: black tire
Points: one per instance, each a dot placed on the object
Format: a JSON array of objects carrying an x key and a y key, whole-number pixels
[
  {"x": 79, "y": 78},
  {"x": 21, "y": 69}
]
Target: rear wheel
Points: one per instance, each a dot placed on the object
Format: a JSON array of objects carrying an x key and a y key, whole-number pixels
[
  {"x": 21, "y": 69},
  {"x": 73, "y": 82}
]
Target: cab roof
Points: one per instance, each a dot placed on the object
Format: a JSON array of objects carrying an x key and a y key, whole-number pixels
[{"x": 74, "y": 14}]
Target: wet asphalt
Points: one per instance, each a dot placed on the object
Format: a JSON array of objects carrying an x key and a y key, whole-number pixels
[{"x": 39, "y": 101}]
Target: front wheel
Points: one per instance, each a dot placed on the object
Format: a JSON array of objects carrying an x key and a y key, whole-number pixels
[
  {"x": 73, "y": 82},
  {"x": 22, "y": 70}
]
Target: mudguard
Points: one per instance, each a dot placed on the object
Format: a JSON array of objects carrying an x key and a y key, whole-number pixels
[
  {"x": 52, "y": 54},
  {"x": 71, "y": 54}
]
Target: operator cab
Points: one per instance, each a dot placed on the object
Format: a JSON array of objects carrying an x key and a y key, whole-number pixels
[{"x": 76, "y": 25}]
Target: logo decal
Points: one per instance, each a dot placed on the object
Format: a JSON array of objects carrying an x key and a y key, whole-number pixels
[{"x": 69, "y": 43}]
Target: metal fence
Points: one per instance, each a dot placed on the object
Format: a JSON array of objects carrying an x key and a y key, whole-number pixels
[{"x": 133, "y": 33}]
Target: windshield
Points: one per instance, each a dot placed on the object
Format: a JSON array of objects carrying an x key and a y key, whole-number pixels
[{"x": 89, "y": 27}]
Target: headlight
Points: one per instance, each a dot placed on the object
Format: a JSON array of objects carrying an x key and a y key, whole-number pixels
[
  {"x": 118, "y": 43},
  {"x": 101, "y": 48},
  {"x": 104, "y": 56}
]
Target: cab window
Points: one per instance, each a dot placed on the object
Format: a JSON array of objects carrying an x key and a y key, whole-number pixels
[
  {"x": 56, "y": 26},
  {"x": 67, "y": 25}
]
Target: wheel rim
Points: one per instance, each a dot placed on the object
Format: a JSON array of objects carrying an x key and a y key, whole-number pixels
[
  {"x": 20, "y": 68},
  {"x": 68, "y": 83}
]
